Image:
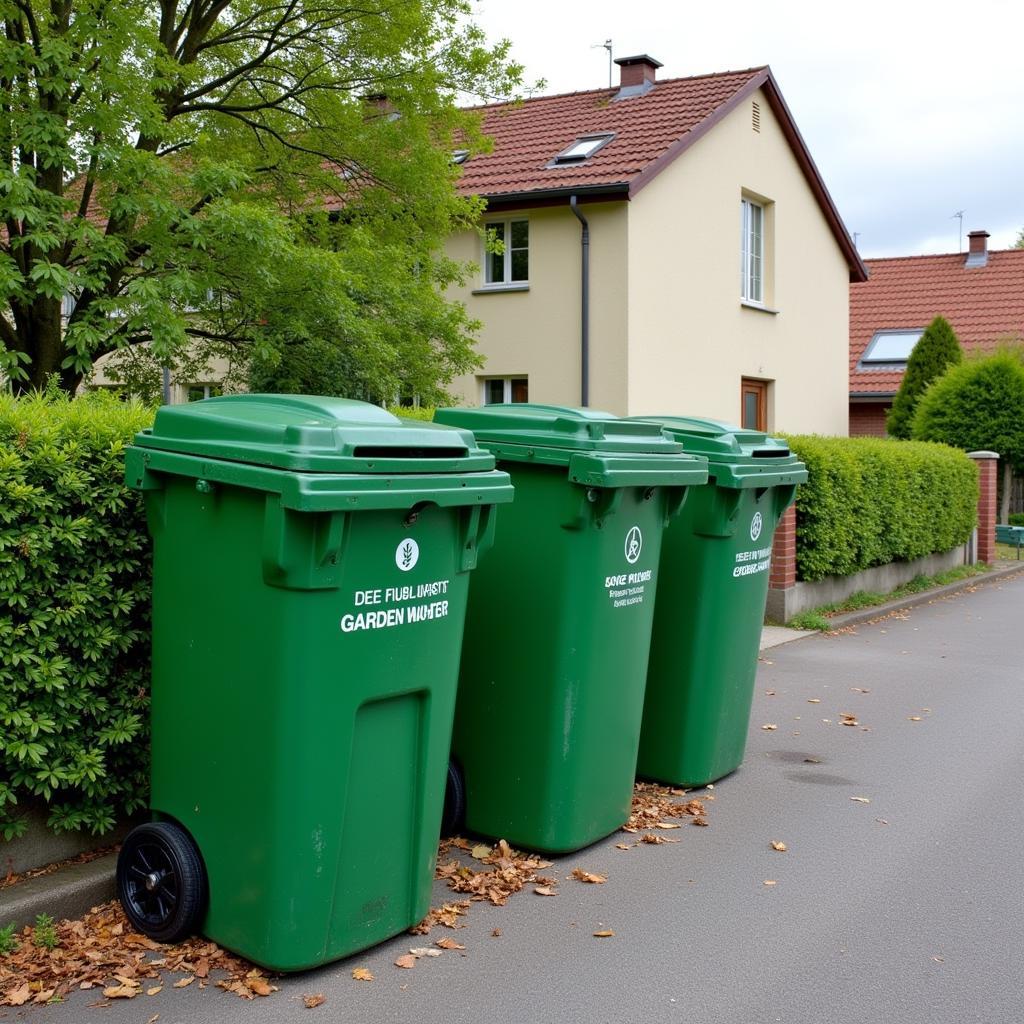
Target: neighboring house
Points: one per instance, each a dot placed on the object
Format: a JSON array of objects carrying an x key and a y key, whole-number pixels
[
  {"x": 678, "y": 233},
  {"x": 980, "y": 293}
]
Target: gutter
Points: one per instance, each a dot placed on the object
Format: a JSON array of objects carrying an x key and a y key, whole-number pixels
[{"x": 585, "y": 303}]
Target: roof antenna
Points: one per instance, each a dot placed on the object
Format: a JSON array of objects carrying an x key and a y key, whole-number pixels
[
  {"x": 960, "y": 235},
  {"x": 856, "y": 235},
  {"x": 606, "y": 45}
]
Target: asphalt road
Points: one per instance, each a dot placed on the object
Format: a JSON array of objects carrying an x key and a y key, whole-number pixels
[{"x": 908, "y": 909}]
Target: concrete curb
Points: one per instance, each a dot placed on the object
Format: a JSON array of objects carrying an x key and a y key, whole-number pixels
[
  {"x": 67, "y": 892},
  {"x": 879, "y": 611}
]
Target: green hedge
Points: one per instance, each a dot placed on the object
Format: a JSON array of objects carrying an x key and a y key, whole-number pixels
[
  {"x": 869, "y": 501},
  {"x": 74, "y": 613}
]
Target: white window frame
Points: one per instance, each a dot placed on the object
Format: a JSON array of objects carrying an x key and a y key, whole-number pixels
[
  {"x": 878, "y": 340},
  {"x": 507, "y": 389},
  {"x": 752, "y": 269},
  {"x": 506, "y": 281}
]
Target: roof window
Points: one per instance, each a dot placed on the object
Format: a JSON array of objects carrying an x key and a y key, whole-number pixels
[
  {"x": 583, "y": 148},
  {"x": 460, "y": 156},
  {"x": 890, "y": 347}
]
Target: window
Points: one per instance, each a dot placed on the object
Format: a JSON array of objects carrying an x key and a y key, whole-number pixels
[
  {"x": 460, "y": 156},
  {"x": 583, "y": 148},
  {"x": 511, "y": 266},
  {"x": 197, "y": 392},
  {"x": 890, "y": 347},
  {"x": 504, "y": 389},
  {"x": 752, "y": 252},
  {"x": 754, "y": 404}
]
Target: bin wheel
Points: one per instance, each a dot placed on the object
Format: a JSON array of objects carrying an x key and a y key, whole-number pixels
[
  {"x": 454, "y": 815},
  {"x": 161, "y": 881}
]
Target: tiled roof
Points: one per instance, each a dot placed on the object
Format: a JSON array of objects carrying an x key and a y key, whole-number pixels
[
  {"x": 984, "y": 305},
  {"x": 527, "y": 136},
  {"x": 651, "y": 129}
]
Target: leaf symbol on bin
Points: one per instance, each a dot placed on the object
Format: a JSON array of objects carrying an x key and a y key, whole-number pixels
[
  {"x": 407, "y": 554},
  {"x": 634, "y": 542}
]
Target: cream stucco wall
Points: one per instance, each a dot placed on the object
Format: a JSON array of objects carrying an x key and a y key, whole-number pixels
[
  {"x": 690, "y": 339},
  {"x": 536, "y": 333}
]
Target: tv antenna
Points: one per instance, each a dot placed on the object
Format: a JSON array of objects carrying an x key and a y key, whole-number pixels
[
  {"x": 606, "y": 45},
  {"x": 959, "y": 215}
]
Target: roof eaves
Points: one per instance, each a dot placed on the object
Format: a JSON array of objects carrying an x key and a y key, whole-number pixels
[{"x": 524, "y": 198}]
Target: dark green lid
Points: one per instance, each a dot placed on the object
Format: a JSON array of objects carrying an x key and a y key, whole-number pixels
[
  {"x": 311, "y": 434},
  {"x": 559, "y": 427},
  {"x": 736, "y": 457}
]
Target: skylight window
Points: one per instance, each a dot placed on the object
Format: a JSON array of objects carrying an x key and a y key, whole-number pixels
[
  {"x": 890, "y": 347},
  {"x": 459, "y": 156},
  {"x": 583, "y": 148}
]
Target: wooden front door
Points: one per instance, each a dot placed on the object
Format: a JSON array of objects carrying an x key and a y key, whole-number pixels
[{"x": 754, "y": 404}]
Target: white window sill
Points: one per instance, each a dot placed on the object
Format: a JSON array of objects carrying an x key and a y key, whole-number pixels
[
  {"x": 746, "y": 304},
  {"x": 515, "y": 286}
]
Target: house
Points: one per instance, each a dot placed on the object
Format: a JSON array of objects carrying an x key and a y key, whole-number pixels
[
  {"x": 668, "y": 246},
  {"x": 981, "y": 294}
]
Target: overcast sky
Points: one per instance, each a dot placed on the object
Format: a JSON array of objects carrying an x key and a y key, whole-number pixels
[{"x": 911, "y": 110}]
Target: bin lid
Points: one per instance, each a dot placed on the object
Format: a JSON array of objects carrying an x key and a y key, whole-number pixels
[
  {"x": 559, "y": 427},
  {"x": 312, "y": 434},
  {"x": 736, "y": 457}
]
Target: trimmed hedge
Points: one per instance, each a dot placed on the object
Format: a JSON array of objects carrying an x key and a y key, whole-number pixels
[
  {"x": 74, "y": 613},
  {"x": 870, "y": 501}
]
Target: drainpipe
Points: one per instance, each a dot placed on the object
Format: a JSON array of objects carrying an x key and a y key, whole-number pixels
[{"x": 585, "y": 299}]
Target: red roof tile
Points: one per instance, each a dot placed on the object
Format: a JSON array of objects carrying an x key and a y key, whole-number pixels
[
  {"x": 529, "y": 135},
  {"x": 651, "y": 129},
  {"x": 985, "y": 305}
]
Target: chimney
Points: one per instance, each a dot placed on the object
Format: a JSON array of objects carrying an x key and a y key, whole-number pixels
[
  {"x": 977, "y": 255},
  {"x": 637, "y": 75}
]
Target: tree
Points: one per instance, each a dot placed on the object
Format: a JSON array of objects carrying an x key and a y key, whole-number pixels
[
  {"x": 1019, "y": 244},
  {"x": 243, "y": 173},
  {"x": 935, "y": 351},
  {"x": 978, "y": 406}
]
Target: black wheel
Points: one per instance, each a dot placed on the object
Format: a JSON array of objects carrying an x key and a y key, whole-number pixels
[
  {"x": 161, "y": 881},
  {"x": 453, "y": 816}
]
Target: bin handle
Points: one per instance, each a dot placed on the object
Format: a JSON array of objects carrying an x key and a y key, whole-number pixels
[{"x": 288, "y": 537}]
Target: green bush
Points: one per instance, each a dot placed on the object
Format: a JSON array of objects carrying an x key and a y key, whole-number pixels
[
  {"x": 869, "y": 501},
  {"x": 422, "y": 412},
  {"x": 1016, "y": 519},
  {"x": 74, "y": 613},
  {"x": 936, "y": 350}
]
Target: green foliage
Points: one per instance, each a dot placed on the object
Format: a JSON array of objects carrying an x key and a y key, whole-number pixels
[
  {"x": 74, "y": 612},
  {"x": 1016, "y": 519},
  {"x": 869, "y": 502},
  {"x": 223, "y": 171},
  {"x": 423, "y": 412},
  {"x": 44, "y": 934},
  {"x": 978, "y": 406},
  {"x": 936, "y": 350},
  {"x": 8, "y": 943}
]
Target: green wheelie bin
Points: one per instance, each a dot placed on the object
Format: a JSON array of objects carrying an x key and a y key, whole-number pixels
[
  {"x": 712, "y": 589},
  {"x": 559, "y": 624},
  {"x": 310, "y": 566}
]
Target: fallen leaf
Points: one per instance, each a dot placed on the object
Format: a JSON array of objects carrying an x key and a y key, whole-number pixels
[
  {"x": 914, "y": 718},
  {"x": 606, "y": 934},
  {"x": 860, "y": 799},
  {"x": 480, "y": 851},
  {"x": 585, "y": 876},
  {"x": 202, "y": 968},
  {"x": 184, "y": 982},
  {"x": 781, "y": 847},
  {"x": 668, "y": 824},
  {"x": 623, "y": 846},
  {"x": 406, "y": 962},
  {"x": 545, "y": 890},
  {"x": 361, "y": 974},
  {"x": 260, "y": 986},
  {"x": 496, "y": 933},
  {"x": 654, "y": 840},
  {"x": 44, "y": 997},
  {"x": 19, "y": 996},
  {"x": 812, "y": 760},
  {"x": 769, "y": 693},
  {"x": 769, "y": 727},
  {"x": 859, "y": 689},
  {"x": 814, "y": 700},
  {"x": 449, "y": 944},
  {"x": 312, "y": 1002},
  {"x": 120, "y": 992},
  {"x": 156, "y": 990},
  {"x": 939, "y": 959},
  {"x": 424, "y": 951},
  {"x": 703, "y": 822},
  {"x": 769, "y": 881},
  {"x": 153, "y": 1019}
]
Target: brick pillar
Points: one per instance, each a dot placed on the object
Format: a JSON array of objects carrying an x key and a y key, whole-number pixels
[
  {"x": 986, "y": 463},
  {"x": 783, "y": 573}
]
